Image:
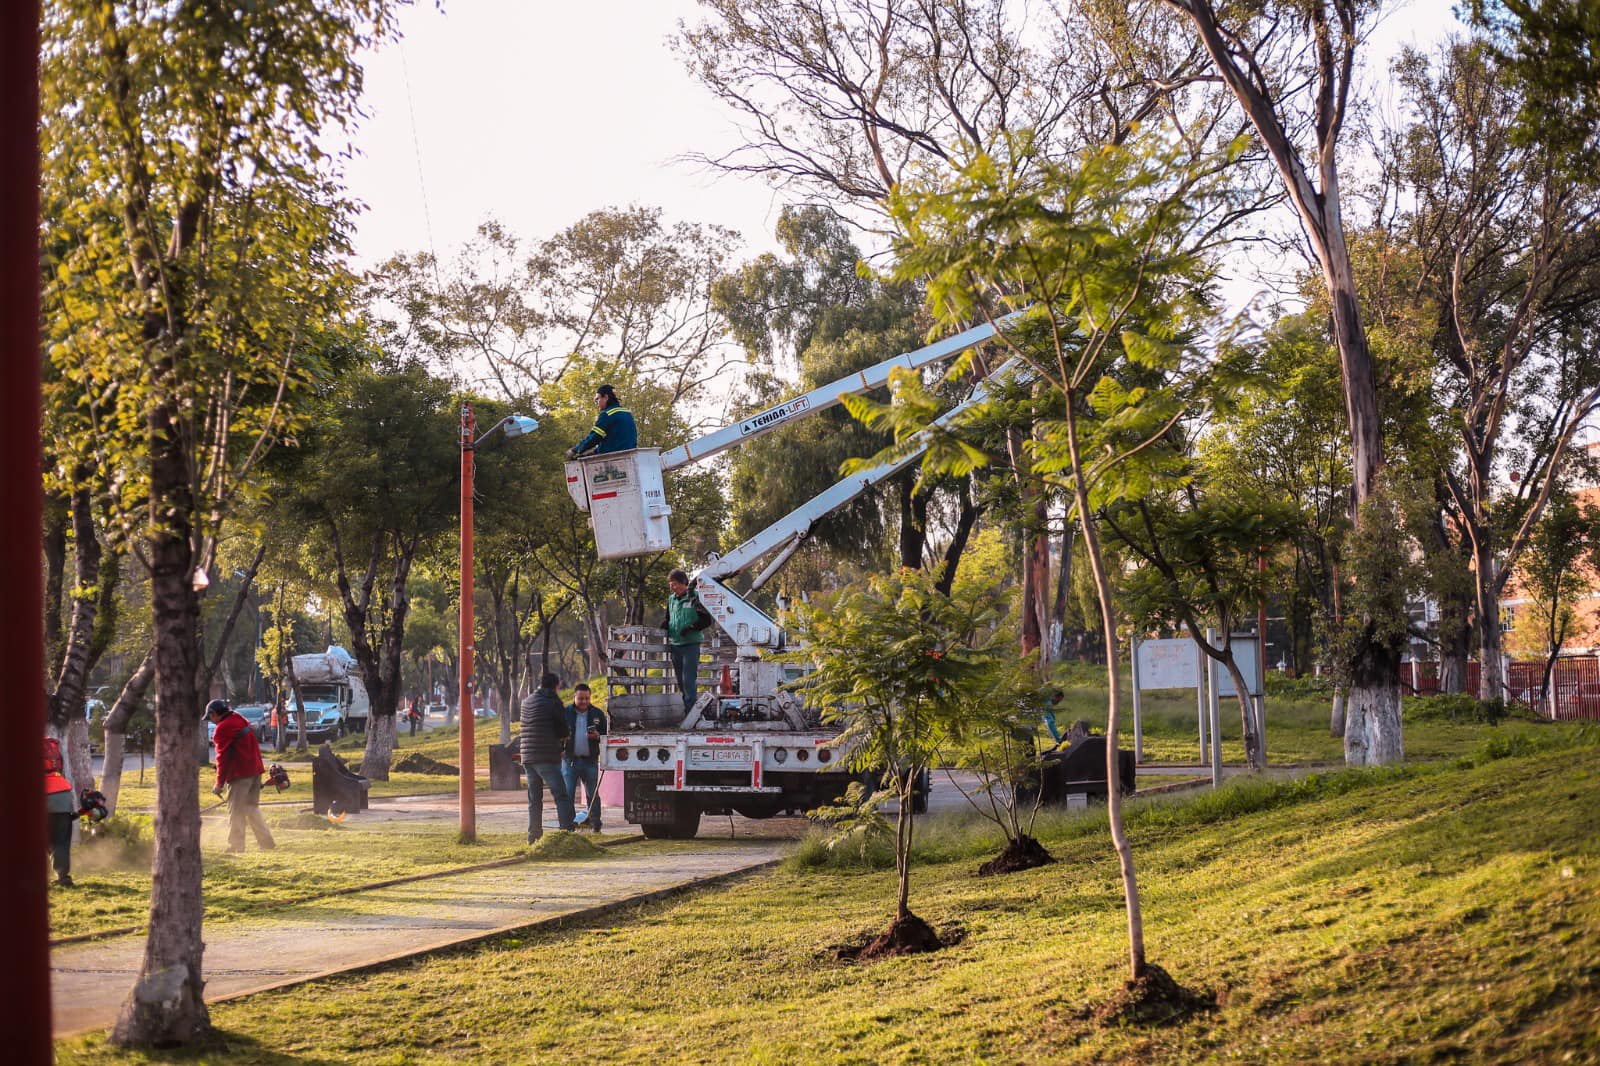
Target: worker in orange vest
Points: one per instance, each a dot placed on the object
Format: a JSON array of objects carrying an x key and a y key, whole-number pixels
[{"x": 62, "y": 806}]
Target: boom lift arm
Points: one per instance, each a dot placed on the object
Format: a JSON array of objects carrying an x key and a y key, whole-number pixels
[
  {"x": 624, "y": 495},
  {"x": 749, "y": 626}
]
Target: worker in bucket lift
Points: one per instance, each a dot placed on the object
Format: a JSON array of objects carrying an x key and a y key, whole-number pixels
[{"x": 613, "y": 430}]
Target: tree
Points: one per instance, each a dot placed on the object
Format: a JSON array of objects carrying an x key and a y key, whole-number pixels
[
  {"x": 1104, "y": 257},
  {"x": 1507, "y": 245},
  {"x": 200, "y": 226},
  {"x": 1548, "y": 47},
  {"x": 1556, "y": 571},
  {"x": 842, "y": 100},
  {"x": 1196, "y": 550},
  {"x": 620, "y": 284},
  {"x": 896, "y": 663},
  {"x": 374, "y": 478},
  {"x": 1291, "y": 69}
]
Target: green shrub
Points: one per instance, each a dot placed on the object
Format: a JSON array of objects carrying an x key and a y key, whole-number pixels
[
  {"x": 1282, "y": 686},
  {"x": 1452, "y": 707}
]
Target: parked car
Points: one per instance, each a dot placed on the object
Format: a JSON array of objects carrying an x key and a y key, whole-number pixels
[{"x": 258, "y": 715}]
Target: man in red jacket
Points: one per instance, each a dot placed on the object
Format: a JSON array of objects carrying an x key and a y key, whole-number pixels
[{"x": 239, "y": 769}]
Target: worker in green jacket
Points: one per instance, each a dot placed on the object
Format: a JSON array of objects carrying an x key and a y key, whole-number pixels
[{"x": 686, "y": 618}]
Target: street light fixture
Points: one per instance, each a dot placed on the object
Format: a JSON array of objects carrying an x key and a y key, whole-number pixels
[{"x": 515, "y": 426}]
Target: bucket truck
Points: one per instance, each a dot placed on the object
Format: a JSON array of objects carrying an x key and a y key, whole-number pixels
[{"x": 747, "y": 744}]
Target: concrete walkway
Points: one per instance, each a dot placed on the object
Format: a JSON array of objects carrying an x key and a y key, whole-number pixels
[{"x": 90, "y": 980}]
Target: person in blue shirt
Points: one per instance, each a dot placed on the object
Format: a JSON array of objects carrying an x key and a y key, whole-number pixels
[
  {"x": 613, "y": 430},
  {"x": 586, "y": 725}
]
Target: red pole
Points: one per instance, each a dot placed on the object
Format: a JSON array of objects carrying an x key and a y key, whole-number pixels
[
  {"x": 468, "y": 759},
  {"x": 25, "y": 1010}
]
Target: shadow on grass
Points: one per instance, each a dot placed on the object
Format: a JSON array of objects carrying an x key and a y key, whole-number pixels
[{"x": 221, "y": 1045}]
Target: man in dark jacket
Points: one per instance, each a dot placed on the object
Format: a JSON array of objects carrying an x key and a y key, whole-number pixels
[
  {"x": 614, "y": 430},
  {"x": 544, "y": 734},
  {"x": 586, "y": 724},
  {"x": 239, "y": 770}
]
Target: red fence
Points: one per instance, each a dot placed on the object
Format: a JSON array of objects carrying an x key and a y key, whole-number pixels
[
  {"x": 1574, "y": 685},
  {"x": 1574, "y": 688}
]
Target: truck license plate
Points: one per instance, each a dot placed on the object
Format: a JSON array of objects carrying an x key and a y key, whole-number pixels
[{"x": 718, "y": 756}]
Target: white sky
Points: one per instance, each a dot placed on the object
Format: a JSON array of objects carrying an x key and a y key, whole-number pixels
[{"x": 536, "y": 113}]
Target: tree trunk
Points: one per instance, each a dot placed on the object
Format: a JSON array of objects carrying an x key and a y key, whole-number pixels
[
  {"x": 116, "y": 729},
  {"x": 1544, "y": 682},
  {"x": 902, "y": 843},
  {"x": 165, "y": 1006},
  {"x": 1372, "y": 709},
  {"x": 299, "y": 702},
  {"x": 1491, "y": 665},
  {"x": 80, "y": 765},
  {"x": 67, "y": 701},
  {"x": 379, "y": 751},
  {"x": 1102, "y": 585},
  {"x": 1336, "y": 720},
  {"x": 1254, "y": 758}
]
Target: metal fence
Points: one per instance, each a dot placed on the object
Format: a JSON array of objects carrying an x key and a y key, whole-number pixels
[
  {"x": 1574, "y": 685},
  {"x": 1574, "y": 688}
]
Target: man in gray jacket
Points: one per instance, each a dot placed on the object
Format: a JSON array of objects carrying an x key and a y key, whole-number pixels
[{"x": 544, "y": 732}]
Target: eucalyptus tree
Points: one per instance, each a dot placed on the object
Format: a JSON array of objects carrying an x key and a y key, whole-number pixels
[
  {"x": 196, "y": 229},
  {"x": 1506, "y": 242},
  {"x": 1555, "y": 574},
  {"x": 1292, "y": 68}
]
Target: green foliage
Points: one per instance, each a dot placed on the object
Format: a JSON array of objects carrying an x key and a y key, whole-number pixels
[
  {"x": 856, "y": 833},
  {"x": 1453, "y": 707},
  {"x": 1305, "y": 687}
]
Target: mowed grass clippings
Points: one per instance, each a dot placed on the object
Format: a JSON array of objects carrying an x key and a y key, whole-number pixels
[
  {"x": 313, "y": 856},
  {"x": 1438, "y": 913}
]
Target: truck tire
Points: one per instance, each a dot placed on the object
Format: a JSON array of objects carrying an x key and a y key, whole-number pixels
[{"x": 684, "y": 825}]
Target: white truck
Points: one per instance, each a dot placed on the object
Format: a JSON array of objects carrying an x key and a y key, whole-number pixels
[
  {"x": 747, "y": 744},
  {"x": 334, "y": 693}
]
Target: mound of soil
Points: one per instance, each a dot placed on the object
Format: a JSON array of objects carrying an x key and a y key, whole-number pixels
[
  {"x": 417, "y": 763},
  {"x": 905, "y": 936},
  {"x": 302, "y": 820},
  {"x": 1024, "y": 853},
  {"x": 1153, "y": 999},
  {"x": 565, "y": 846}
]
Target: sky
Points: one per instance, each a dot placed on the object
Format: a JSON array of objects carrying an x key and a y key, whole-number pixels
[{"x": 536, "y": 113}]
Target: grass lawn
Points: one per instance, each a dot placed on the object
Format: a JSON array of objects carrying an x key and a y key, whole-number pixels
[
  {"x": 313, "y": 855},
  {"x": 440, "y": 744},
  {"x": 1449, "y": 911}
]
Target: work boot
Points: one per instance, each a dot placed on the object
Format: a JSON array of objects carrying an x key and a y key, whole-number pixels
[{"x": 65, "y": 881}]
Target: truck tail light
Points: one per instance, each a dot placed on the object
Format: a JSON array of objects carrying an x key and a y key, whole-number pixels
[{"x": 824, "y": 755}]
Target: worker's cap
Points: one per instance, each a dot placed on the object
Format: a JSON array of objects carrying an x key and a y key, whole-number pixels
[{"x": 216, "y": 707}]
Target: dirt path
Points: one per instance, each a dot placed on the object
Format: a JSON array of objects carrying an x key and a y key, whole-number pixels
[{"x": 90, "y": 980}]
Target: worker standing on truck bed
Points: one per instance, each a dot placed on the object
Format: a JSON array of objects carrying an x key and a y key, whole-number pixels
[
  {"x": 614, "y": 430},
  {"x": 686, "y": 617}
]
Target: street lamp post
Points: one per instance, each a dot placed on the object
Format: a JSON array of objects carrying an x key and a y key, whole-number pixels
[
  {"x": 468, "y": 759},
  {"x": 515, "y": 426}
]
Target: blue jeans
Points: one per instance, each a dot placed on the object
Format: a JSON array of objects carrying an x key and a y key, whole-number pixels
[
  {"x": 540, "y": 775},
  {"x": 584, "y": 771},
  {"x": 686, "y": 668}
]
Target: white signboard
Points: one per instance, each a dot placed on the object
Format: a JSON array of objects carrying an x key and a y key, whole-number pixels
[
  {"x": 1173, "y": 663},
  {"x": 1246, "y": 652}
]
